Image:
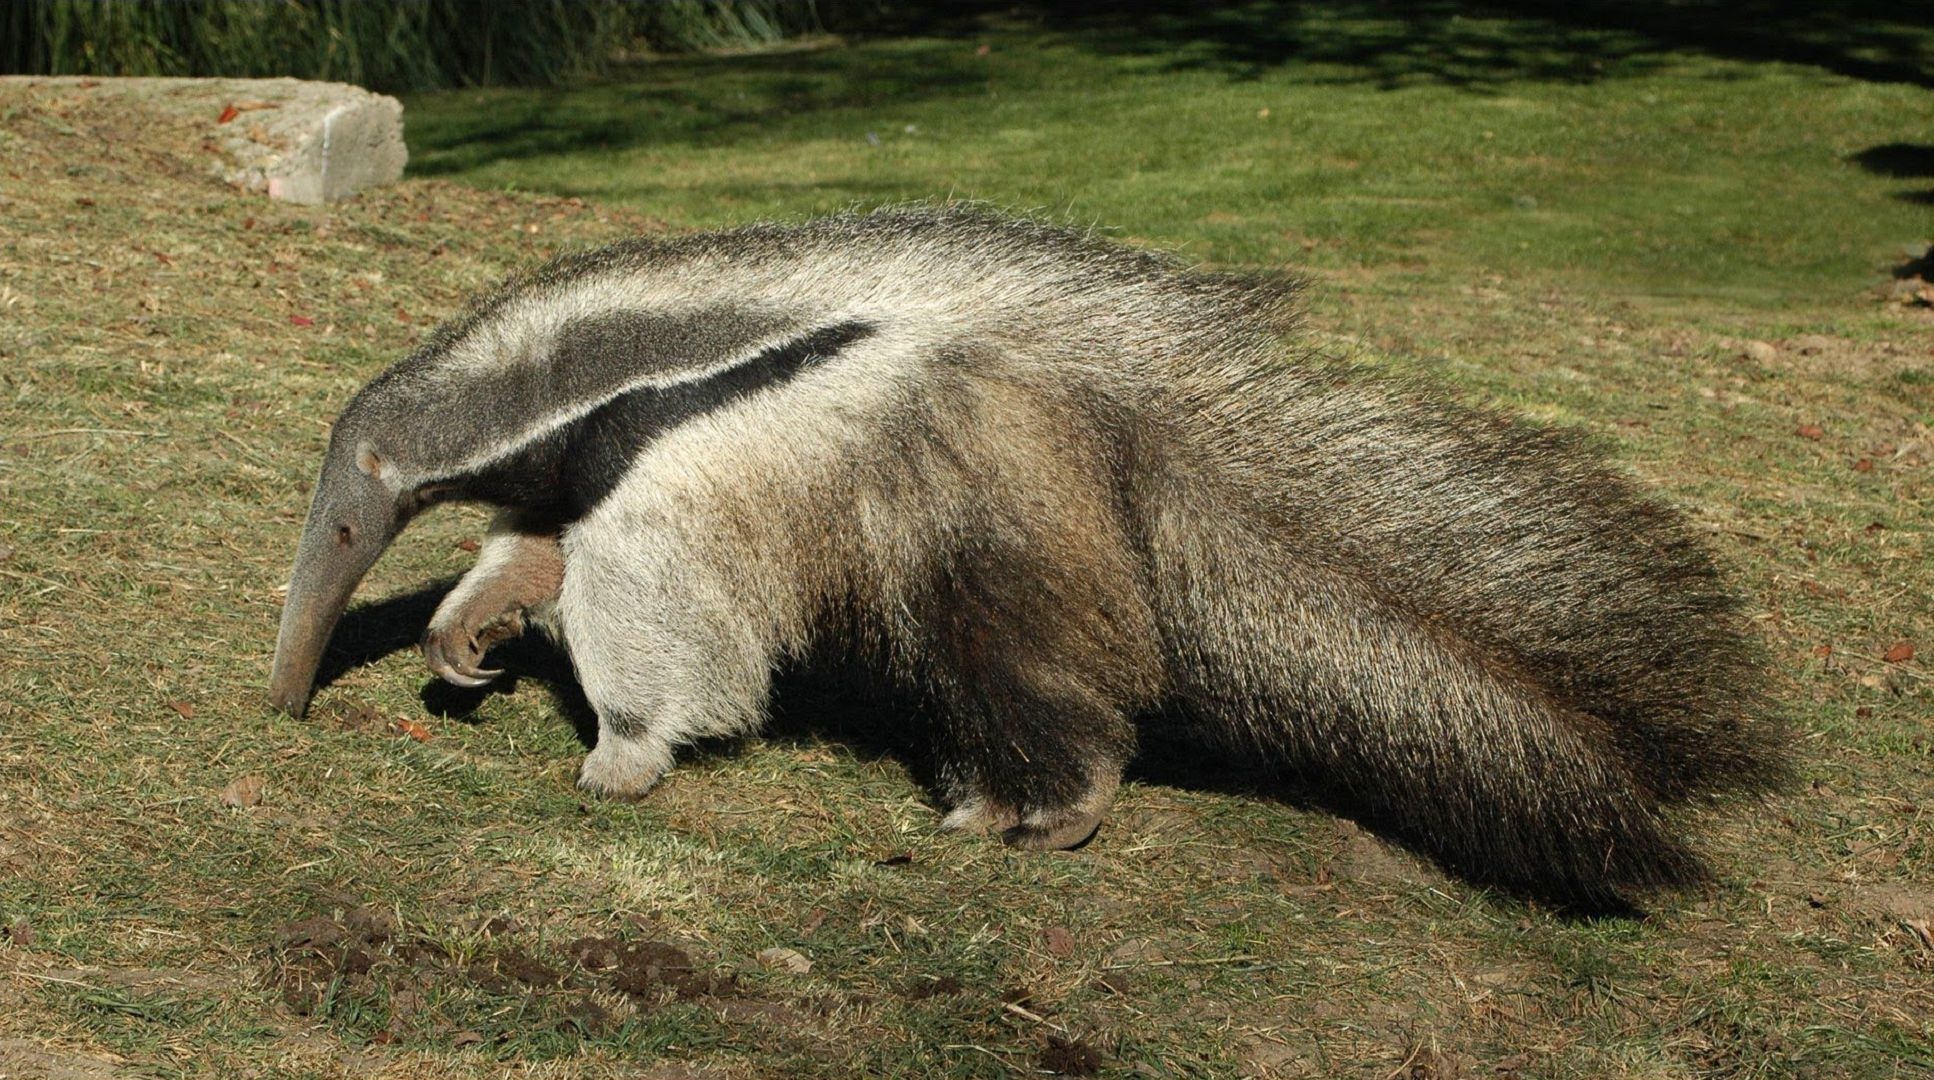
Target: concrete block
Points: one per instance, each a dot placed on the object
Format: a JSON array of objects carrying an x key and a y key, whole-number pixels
[{"x": 299, "y": 141}]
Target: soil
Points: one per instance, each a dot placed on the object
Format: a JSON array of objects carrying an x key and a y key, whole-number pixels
[
  {"x": 359, "y": 952},
  {"x": 1069, "y": 1057}
]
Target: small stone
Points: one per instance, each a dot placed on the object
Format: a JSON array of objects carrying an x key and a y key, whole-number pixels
[
  {"x": 244, "y": 792},
  {"x": 1135, "y": 951},
  {"x": 785, "y": 960}
]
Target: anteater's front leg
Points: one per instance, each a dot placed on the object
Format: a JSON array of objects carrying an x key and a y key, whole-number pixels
[
  {"x": 665, "y": 648},
  {"x": 517, "y": 572}
]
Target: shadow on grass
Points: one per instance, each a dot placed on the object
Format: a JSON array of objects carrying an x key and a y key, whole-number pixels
[
  {"x": 369, "y": 632},
  {"x": 1394, "y": 42},
  {"x": 687, "y": 101},
  {"x": 925, "y": 53},
  {"x": 1902, "y": 161},
  {"x": 844, "y": 705}
]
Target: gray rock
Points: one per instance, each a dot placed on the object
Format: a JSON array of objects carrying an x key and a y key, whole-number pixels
[{"x": 301, "y": 142}]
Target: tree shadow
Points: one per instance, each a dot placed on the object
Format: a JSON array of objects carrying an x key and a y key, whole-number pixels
[
  {"x": 1902, "y": 161},
  {"x": 687, "y": 101},
  {"x": 1396, "y": 42},
  {"x": 927, "y": 53}
]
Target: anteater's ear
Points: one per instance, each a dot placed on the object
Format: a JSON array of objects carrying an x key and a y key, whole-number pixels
[{"x": 369, "y": 461}]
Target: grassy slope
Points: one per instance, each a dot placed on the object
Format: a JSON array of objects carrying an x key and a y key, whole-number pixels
[
  {"x": 1641, "y": 172},
  {"x": 1597, "y": 260}
]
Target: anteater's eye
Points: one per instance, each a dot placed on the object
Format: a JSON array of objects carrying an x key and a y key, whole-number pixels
[{"x": 345, "y": 535}]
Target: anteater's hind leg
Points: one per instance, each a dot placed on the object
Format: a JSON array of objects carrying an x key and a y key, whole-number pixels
[
  {"x": 1034, "y": 672},
  {"x": 1042, "y": 775},
  {"x": 516, "y": 573}
]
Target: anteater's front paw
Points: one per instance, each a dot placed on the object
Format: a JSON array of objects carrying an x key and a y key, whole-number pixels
[
  {"x": 456, "y": 651},
  {"x": 621, "y": 768}
]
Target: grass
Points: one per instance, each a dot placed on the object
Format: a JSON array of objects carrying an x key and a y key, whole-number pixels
[
  {"x": 1493, "y": 146},
  {"x": 435, "y": 908}
]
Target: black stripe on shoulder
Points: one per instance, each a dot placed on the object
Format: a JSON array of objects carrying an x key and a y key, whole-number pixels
[{"x": 561, "y": 476}]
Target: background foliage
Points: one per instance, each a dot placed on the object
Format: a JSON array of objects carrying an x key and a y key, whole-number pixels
[{"x": 416, "y": 44}]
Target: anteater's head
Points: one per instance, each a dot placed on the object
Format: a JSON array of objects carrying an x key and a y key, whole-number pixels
[{"x": 362, "y": 500}]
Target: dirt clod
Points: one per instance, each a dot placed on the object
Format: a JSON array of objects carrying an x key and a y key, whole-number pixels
[
  {"x": 20, "y": 935},
  {"x": 649, "y": 969},
  {"x": 594, "y": 953},
  {"x": 527, "y": 969},
  {"x": 922, "y": 987},
  {"x": 1425, "y": 1063},
  {"x": 349, "y": 715},
  {"x": 1059, "y": 941},
  {"x": 1069, "y": 1057},
  {"x": 322, "y": 955},
  {"x": 588, "y": 1016},
  {"x": 497, "y": 926}
]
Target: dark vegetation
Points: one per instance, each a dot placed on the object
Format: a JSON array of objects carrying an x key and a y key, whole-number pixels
[
  {"x": 424, "y": 44},
  {"x": 412, "y": 45}
]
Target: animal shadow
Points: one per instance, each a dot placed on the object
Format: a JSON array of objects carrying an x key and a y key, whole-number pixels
[{"x": 831, "y": 700}]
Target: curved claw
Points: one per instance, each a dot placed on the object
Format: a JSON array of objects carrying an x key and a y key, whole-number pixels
[{"x": 462, "y": 672}]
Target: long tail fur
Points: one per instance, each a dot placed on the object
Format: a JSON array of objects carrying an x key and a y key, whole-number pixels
[{"x": 1467, "y": 627}]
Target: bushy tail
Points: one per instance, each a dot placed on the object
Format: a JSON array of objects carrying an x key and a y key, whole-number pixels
[{"x": 1447, "y": 744}]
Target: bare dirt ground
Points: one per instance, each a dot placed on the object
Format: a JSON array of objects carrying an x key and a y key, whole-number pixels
[{"x": 406, "y": 884}]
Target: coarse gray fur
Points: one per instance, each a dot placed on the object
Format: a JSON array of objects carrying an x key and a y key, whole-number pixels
[{"x": 1050, "y": 485}]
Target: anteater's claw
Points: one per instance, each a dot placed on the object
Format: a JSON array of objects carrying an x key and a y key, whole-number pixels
[{"x": 463, "y": 671}]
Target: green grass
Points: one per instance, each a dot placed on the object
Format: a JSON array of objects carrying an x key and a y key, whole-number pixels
[
  {"x": 161, "y": 417},
  {"x": 1500, "y": 146}
]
